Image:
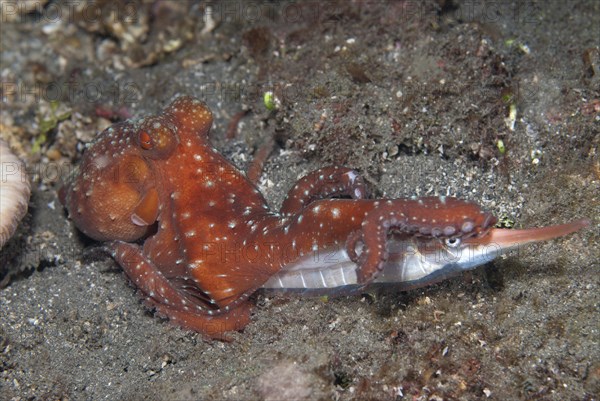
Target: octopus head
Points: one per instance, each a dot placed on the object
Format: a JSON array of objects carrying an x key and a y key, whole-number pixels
[
  {"x": 112, "y": 195},
  {"x": 113, "y": 180}
]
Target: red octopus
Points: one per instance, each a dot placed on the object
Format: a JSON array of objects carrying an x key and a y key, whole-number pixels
[{"x": 197, "y": 238}]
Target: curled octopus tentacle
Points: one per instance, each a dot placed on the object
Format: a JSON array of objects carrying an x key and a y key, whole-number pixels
[
  {"x": 373, "y": 235},
  {"x": 181, "y": 307},
  {"x": 212, "y": 326},
  {"x": 324, "y": 183},
  {"x": 260, "y": 157},
  {"x": 412, "y": 218}
]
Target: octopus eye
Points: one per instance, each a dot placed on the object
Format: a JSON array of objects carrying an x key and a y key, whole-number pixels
[
  {"x": 452, "y": 242},
  {"x": 157, "y": 137},
  {"x": 145, "y": 141}
]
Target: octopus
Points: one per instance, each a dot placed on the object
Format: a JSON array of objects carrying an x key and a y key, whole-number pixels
[{"x": 197, "y": 238}]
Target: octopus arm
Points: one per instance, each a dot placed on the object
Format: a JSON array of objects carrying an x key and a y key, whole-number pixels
[{"x": 324, "y": 183}]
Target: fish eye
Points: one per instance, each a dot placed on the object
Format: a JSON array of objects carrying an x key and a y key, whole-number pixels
[{"x": 452, "y": 242}]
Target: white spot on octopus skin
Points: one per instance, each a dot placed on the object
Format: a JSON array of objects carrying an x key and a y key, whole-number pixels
[
  {"x": 467, "y": 226},
  {"x": 352, "y": 175}
]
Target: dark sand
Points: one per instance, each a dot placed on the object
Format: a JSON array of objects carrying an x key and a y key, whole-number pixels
[{"x": 412, "y": 94}]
